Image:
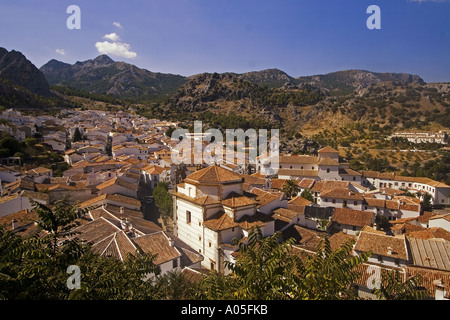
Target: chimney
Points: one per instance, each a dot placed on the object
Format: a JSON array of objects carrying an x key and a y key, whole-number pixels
[
  {"x": 389, "y": 251},
  {"x": 125, "y": 224},
  {"x": 15, "y": 224},
  {"x": 440, "y": 293},
  {"x": 171, "y": 242},
  {"x": 121, "y": 210}
]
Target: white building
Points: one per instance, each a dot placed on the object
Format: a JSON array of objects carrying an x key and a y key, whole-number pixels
[{"x": 210, "y": 210}]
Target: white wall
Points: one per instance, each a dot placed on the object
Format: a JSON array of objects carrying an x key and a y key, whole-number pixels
[{"x": 442, "y": 223}]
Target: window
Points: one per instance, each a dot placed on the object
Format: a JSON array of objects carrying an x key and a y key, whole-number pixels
[
  {"x": 354, "y": 178},
  {"x": 188, "y": 217},
  {"x": 355, "y": 203},
  {"x": 380, "y": 259},
  {"x": 175, "y": 263},
  {"x": 199, "y": 238},
  {"x": 210, "y": 244},
  {"x": 328, "y": 170},
  {"x": 334, "y": 201}
]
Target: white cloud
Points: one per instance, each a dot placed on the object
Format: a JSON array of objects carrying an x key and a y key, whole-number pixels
[
  {"x": 118, "y": 25},
  {"x": 115, "y": 48},
  {"x": 61, "y": 52},
  {"x": 112, "y": 36}
]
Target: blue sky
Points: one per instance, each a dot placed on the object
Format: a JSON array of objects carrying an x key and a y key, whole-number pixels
[{"x": 300, "y": 37}]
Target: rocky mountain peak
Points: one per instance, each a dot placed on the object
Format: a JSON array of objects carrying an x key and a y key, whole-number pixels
[{"x": 15, "y": 67}]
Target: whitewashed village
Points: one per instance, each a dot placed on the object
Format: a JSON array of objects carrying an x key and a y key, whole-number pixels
[{"x": 121, "y": 157}]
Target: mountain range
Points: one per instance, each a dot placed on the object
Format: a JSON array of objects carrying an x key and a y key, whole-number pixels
[
  {"x": 266, "y": 98},
  {"x": 104, "y": 76}
]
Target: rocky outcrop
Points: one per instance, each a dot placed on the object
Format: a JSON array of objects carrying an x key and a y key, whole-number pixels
[
  {"x": 16, "y": 68},
  {"x": 103, "y": 75}
]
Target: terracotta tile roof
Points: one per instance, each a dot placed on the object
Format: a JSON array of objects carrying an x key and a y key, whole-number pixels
[
  {"x": 370, "y": 174},
  {"x": 119, "y": 181},
  {"x": 277, "y": 183},
  {"x": 220, "y": 221},
  {"x": 254, "y": 180},
  {"x": 392, "y": 205},
  {"x": 236, "y": 200},
  {"x": 200, "y": 201},
  {"x": 325, "y": 185},
  {"x": 49, "y": 187},
  {"x": 318, "y": 186},
  {"x": 258, "y": 219},
  {"x": 106, "y": 238},
  {"x": 386, "y": 175},
  {"x": 307, "y": 238},
  {"x": 194, "y": 274},
  {"x": 306, "y": 183},
  {"x": 23, "y": 218},
  {"x": 328, "y": 149},
  {"x": 264, "y": 197},
  {"x": 424, "y": 218},
  {"x": 373, "y": 202},
  {"x": 36, "y": 195},
  {"x": 365, "y": 274},
  {"x": 158, "y": 243},
  {"x": 327, "y": 162},
  {"x": 8, "y": 198},
  {"x": 189, "y": 256},
  {"x": 348, "y": 171},
  {"x": 445, "y": 216},
  {"x": 153, "y": 169},
  {"x": 113, "y": 197},
  {"x": 430, "y": 233},
  {"x": 341, "y": 194},
  {"x": 298, "y": 159},
  {"x": 214, "y": 174},
  {"x": 379, "y": 244},
  {"x": 298, "y": 172},
  {"x": 371, "y": 229},
  {"x": 430, "y": 277},
  {"x": 296, "y": 208},
  {"x": 410, "y": 207},
  {"x": 117, "y": 245},
  {"x": 407, "y": 228},
  {"x": 38, "y": 171},
  {"x": 300, "y": 201},
  {"x": 353, "y": 217},
  {"x": 25, "y": 183},
  {"x": 339, "y": 238}
]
